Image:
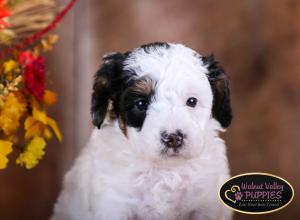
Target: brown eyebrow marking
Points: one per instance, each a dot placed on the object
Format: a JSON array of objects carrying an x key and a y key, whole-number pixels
[
  {"x": 138, "y": 88},
  {"x": 144, "y": 85}
]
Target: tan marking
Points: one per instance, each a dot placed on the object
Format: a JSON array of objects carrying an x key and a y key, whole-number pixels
[
  {"x": 110, "y": 110},
  {"x": 144, "y": 85},
  {"x": 122, "y": 125}
]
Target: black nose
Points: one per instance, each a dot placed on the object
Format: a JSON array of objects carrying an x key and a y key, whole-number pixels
[{"x": 173, "y": 140}]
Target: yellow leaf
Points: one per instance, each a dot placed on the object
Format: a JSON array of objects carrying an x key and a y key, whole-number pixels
[
  {"x": 46, "y": 46},
  {"x": 49, "y": 97},
  {"x": 34, "y": 151},
  {"x": 6, "y": 36},
  {"x": 52, "y": 123},
  {"x": 13, "y": 109},
  {"x": 35, "y": 130},
  {"x": 9, "y": 66},
  {"x": 47, "y": 43},
  {"x": 29, "y": 122},
  {"x": 39, "y": 115},
  {"x": 53, "y": 38},
  {"x": 5, "y": 149},
  {"x": 37, "y": 112},
  {"x": 47, "y": 134},
  {"x": 3, "y": 162}
]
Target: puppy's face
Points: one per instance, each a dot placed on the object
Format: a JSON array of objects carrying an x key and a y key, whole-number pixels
[{"x": 162, "y": 96}]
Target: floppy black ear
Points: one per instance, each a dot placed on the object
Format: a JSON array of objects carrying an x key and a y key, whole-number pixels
[
  {"x": 219, "y": 82},
  {"x": 107, "y": 84}
]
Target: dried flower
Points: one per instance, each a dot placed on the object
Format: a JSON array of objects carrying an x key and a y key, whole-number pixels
[
  {"x": 10, "y": 66},
  {"x": 11, "y": 112},
  {"x": 34, "y": 151},
  {"x": 34, "y": 76},
  {"x": 24, "y": 37},
  {"x": 26, "y": 57}
]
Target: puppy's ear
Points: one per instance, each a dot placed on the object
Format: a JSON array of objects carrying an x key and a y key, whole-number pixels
[
  {"x": 219, "y": 82},
  {"x": 107, "y": 83}
]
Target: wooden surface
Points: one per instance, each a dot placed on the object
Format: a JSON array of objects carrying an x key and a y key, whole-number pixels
[{"x": 258, "y": 44}]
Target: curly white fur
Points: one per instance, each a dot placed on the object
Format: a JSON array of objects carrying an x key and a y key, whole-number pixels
[{"x": 117, "y": 177}]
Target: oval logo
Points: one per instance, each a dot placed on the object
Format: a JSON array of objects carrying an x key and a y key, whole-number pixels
[{"x": 256, "y": 193}]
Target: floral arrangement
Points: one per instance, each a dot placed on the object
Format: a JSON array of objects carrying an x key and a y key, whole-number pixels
[{"x": 25, "y": 126}]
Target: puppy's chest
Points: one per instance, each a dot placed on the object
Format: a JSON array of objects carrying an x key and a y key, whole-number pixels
[{"x": 164, "y": 193}]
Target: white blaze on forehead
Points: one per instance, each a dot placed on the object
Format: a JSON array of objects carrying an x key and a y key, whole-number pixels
[
  {"x": 176, "y": 68},
  {"x": 162, "y": 62}
]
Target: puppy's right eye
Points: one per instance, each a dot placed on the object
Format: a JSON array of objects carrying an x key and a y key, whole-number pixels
[
  {"x": 191, "y": 102},
  {"x": 141, "y": 104}
]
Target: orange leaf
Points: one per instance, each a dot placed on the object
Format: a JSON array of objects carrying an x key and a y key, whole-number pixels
[
  {"x": 35, "y": 130},
  {"x": 29, "y": 122},
  {"x": 49, "y": 97}
]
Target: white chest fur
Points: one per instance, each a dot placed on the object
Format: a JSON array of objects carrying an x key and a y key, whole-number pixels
[
  {"x": 166, "y": 194},
  {"x": 108, "y": 183}
]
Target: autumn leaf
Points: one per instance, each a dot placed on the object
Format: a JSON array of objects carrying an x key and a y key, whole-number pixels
[
  {"x": 5, "y": 149},
  {"x": 52, "y": 123},
  {"x": 49, "y": 97},
  {"x": 34, "y": 151}
]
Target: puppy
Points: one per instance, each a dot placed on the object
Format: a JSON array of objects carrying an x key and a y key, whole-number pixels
[{"x": 155, "y": 152}]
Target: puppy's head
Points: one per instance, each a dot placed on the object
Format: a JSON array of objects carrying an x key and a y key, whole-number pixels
[{"x": 162, "y": 95}]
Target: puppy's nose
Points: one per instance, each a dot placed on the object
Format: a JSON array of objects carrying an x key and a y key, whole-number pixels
[{"x": 172, "y": 140}]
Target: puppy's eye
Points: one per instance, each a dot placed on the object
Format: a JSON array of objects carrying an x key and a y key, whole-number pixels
[
  {"x": 141, "y": 104},
  {"x": 191, "y": 102}
]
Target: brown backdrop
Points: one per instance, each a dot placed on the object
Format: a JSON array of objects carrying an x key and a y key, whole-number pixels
[{"x": 258, "y": 43}]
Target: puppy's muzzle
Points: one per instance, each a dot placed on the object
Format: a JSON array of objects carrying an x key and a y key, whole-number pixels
[{"x": 172, "y": 140}]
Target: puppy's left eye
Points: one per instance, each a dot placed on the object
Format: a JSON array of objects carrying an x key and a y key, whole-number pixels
[
  {"x": 191, "y": 102},
  {"x": 141, "y": 104}
]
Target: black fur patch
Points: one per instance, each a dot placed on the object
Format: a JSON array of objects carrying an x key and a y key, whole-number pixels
[
  {"x": 154, "y": 46},
  {"x": 140, "y": 89},
  {"x": 109, "y": 82},
  {"x": 220, "y": 86},
  {"x": 116, "y": 91}
]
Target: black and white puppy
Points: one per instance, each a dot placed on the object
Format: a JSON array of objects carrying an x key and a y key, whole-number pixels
[{"x": 155, "y": 152}]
